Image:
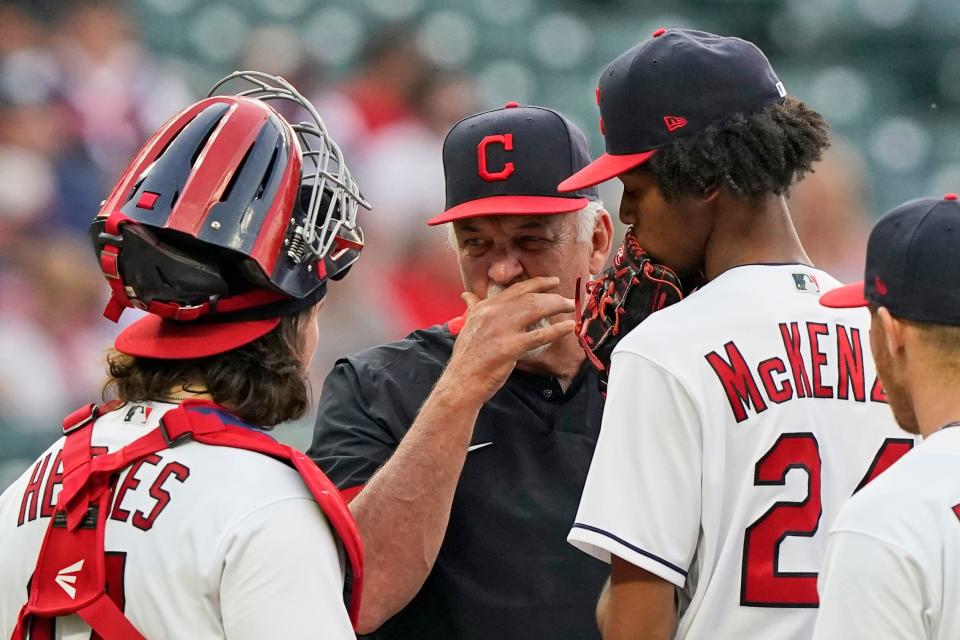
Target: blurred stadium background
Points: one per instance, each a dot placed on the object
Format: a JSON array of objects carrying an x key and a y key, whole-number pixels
[{"x": 82, "y": 83}]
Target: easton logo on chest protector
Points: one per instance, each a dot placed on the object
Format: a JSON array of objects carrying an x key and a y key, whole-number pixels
[{"x": 67, "y": 577}]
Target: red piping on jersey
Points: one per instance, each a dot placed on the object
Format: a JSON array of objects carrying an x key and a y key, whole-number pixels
[{"x": 74, "y": 542}]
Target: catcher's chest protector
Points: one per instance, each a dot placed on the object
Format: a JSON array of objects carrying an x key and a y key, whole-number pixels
[{"x": 70, "y": 576}]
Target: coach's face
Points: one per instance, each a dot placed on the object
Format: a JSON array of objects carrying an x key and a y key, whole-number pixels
[
  {"x": 675, "y": 233},
  {"x": 497, "y": 251},
  {"x": 887, "y": 345}
]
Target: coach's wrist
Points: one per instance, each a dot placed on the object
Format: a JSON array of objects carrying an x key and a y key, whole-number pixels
[{"x": 459, "y": 391}]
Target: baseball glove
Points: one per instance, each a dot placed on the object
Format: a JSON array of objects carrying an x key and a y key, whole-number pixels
[{"x": 618, "y": 300}]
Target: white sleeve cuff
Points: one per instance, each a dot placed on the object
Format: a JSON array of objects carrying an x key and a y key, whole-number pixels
[{"x": 601, "y": 544}]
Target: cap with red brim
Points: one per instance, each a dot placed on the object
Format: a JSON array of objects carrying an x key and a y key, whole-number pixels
[
  {"x": 845, "y": 297},
  {"x": 510, "y": 206},
  {"x": 155, "y": 337},
  {"x": 604, "y": 168}
]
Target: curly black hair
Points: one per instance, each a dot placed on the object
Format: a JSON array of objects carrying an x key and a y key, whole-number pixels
[{"x": 749, "y": 155}]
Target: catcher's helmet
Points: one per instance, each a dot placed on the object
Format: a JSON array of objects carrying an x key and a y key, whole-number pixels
[{"x": 227, "y": 219}]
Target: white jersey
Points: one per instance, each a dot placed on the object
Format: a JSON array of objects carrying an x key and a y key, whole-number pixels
[
  {"x": 202, "y": 542},
  {"x": 737, "y": 424},
  {"x": 892, "y": 569}
]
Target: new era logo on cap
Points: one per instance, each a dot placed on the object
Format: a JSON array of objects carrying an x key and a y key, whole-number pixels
[
  {"x": 508, "y": 162},
  {"x": 674, "y": 122},
  {"x": 879, "y": 286},
  {"x": 673, "y": 85}
]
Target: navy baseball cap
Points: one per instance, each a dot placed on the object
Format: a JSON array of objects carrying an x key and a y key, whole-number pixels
[
  {"x": 911, "y": 264},
  {"x": 672, "y": 86},
  {"x": 508, "y": 161}
]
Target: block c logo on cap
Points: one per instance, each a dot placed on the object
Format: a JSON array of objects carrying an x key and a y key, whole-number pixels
[{"x": 505, "y": 139}]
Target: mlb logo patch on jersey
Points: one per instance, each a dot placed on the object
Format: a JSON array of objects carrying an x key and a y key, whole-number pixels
[
  {"x": 806, "y": 283},
  {"x": 138, "y": 413}
]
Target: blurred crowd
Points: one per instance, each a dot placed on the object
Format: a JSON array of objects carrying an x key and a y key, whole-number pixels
[{"x": 79, "y": 93}]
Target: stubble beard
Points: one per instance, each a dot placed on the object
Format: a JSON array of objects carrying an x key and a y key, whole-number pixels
[{"x": 897, "y": 396}]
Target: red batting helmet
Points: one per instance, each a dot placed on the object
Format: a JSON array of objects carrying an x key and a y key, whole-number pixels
[{"x": 228, "y": 218}]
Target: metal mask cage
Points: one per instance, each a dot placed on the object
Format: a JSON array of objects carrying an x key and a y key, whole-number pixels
[{"x": 333, "y": 230}]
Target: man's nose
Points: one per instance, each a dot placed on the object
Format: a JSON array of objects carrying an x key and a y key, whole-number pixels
[
  {"x": 504, "y": 269},
  {"x": 628, "y": 211}
]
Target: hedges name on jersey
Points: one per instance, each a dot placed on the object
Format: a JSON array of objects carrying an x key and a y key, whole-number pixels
[
  {"x": 195, "y": 539},
  {"x": 738, "y": 422}
]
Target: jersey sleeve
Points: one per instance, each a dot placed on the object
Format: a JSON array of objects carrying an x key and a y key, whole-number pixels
[
  {"x": 641, "y": 501},
  {"x": 282, "y": 576},
  {"x": 351, "y": 439},
  {"x": 869, "y": 589}
]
